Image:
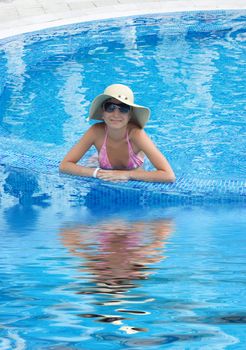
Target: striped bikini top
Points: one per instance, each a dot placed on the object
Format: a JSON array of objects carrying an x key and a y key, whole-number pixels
[{"x": 135, "y": 160}]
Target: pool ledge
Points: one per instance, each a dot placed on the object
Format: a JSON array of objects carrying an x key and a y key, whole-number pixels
[{"x": 34, "y": 15}]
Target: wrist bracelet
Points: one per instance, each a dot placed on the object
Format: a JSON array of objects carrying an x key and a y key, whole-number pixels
[{"x": 95, "y": 172}]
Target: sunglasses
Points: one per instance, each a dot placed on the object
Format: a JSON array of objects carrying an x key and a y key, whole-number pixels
[{"x": 109, "y": 107}]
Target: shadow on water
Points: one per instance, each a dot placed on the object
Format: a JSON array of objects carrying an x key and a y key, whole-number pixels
[
  {"x": 20, "y": 218},
  {"x": 23, "y": 185}
]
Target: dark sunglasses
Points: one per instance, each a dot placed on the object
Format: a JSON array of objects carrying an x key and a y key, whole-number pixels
[{"x": 109, "y": 107}]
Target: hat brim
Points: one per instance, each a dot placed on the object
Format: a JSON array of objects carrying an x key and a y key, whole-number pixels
[{"x": 139, "y": 114}]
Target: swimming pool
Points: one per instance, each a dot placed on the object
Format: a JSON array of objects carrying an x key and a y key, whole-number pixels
[
  {"x": 187, "y": 68},
  {"x": 96, "y": 265}
]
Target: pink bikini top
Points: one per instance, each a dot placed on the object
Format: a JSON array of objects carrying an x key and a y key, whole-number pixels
[{"x": 135, "y": 160}]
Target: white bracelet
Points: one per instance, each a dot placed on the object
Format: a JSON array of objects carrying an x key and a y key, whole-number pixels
[{"x": 95, "y": 172}]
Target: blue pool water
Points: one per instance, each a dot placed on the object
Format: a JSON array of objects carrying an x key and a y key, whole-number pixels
[
  {"x": 169, "y": 278},
  {"x": 86, "y": 264},
  {"x": 188, "y": 68}
]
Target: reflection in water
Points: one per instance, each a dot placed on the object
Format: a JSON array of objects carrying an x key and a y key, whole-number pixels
[
  {"x": 17, "y": 105},
  {"x": 116, "y": 254},
  {"x": 130, "y": 40},
  {"x": 194, "y": 80},
  {"x": 72, "y": 97}
]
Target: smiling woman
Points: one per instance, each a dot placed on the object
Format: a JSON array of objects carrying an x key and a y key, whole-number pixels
[{"x": 120, "y": 141}]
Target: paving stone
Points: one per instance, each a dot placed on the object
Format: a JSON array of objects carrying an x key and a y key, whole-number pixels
[
  {"x": 80, "y": 5},
  {"x": 32, "y": 11},
  {"x": 8, "y": 14},
  {"x": 137, "y": 1},
  {"x": 26, "y": 3},
  {"x": 102, "y": 3}
]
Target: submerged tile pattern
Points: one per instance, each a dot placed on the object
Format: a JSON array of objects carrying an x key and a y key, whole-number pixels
[{"x": 28, "y": 178}]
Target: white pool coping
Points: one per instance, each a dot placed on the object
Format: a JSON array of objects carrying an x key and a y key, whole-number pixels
[{"x": 23, "y": 16}]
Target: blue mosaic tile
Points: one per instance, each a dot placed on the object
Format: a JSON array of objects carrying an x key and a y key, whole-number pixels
[{"x": 38, "y": 177}]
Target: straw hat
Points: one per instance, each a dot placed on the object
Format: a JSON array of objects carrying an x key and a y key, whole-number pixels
[{"x": 139, "y": 114}]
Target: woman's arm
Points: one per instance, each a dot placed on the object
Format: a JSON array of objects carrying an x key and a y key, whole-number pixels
[
  {"x": 68, "y": 164},
  {"x": 163, "y": 172}
]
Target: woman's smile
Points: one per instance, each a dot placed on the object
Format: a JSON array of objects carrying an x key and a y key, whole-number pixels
[{"x": 116, "y": 120}]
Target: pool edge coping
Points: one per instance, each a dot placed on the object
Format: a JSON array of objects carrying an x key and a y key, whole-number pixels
[{"x": 147, "y": 9}]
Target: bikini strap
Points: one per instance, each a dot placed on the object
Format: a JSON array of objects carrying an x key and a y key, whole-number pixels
[
  {"x": 130, "y": 150},
  {"x": 105, "y": 137}
]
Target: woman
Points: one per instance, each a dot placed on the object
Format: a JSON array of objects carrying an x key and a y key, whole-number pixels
[{"x": 120, "y": 141}]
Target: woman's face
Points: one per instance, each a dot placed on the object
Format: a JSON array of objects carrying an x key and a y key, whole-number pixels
[{"x": 115, "y": 113}]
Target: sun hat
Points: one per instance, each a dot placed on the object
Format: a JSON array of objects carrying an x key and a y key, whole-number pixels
[{"x": 139, "y": 114}]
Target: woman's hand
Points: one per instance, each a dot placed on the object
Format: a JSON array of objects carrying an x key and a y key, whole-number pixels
[{"x": 113, "y": 175}]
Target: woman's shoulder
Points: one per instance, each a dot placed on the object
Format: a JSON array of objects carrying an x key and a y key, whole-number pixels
[
  {"x": 134, "y": 131},
  {"x": 98, "y": 127}
]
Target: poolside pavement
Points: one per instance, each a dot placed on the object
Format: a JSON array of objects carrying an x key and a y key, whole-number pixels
[{"x": 20, "y": 16}]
